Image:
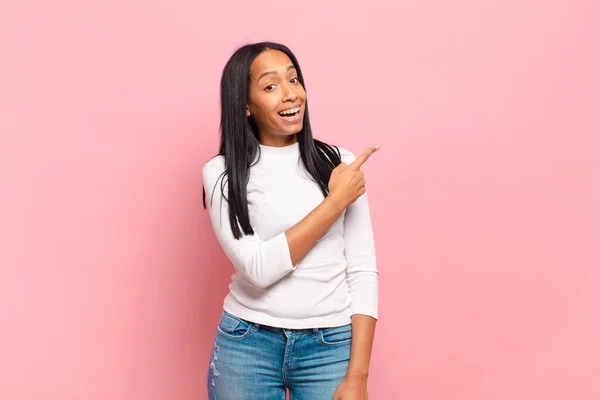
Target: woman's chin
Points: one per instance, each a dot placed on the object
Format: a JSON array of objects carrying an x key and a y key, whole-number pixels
[{"x": 288, "y": 130}]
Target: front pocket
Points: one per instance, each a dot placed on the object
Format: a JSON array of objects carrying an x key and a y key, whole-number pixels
[
  {"x": 233, "y": 327},
  {"x": 336, "y": 336}
]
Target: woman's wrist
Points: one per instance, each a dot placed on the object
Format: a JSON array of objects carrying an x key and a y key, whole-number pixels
[
  {"x": 357, "y": 377},
  {"x": 335, "y": 203}
]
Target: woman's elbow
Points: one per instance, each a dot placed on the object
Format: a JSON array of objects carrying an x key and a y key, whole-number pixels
[
  {"x": 258, "y": 282},
  {"x": 254, "y": 275}
]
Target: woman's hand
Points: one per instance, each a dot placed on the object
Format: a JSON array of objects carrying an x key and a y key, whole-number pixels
[
  {"x": 347, "y": 182},
  {"x": 352, "y": 389}
]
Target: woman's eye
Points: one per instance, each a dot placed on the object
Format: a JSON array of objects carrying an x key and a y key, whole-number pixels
[
  {"x": 294, "y": 80},
  {"x": 270, "y": 87}
]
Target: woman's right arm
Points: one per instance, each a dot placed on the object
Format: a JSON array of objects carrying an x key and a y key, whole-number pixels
[
  {"x": 345, "y": 186},
  {"x": 263, "y": 263}
]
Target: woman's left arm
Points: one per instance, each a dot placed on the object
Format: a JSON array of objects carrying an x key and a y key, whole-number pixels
[
  {"x": 363, "y": 332},
  {"x": 363, "y": 286},
  {"x": 354, "y": 385}
]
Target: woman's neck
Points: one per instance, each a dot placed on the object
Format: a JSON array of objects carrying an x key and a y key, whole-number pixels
[{"x": 278, "y": 141}]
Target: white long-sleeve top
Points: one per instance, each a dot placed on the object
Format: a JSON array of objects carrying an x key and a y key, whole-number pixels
[{"x": 337, "y": 278}]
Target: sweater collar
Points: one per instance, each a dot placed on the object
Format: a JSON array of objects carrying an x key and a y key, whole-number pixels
[{"x": 285, "y": 150}]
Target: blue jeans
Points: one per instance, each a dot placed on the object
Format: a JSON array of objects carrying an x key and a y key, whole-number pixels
[{"x": 250, "y": 361}]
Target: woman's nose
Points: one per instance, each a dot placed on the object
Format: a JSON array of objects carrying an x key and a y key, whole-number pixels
[{"x": 289, "y": 94}]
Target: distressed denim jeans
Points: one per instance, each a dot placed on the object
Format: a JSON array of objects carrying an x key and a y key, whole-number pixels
[{"x": 254, "y": 362}]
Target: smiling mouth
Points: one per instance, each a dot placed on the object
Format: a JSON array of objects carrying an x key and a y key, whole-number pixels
[{"x": 291, "y": 113}]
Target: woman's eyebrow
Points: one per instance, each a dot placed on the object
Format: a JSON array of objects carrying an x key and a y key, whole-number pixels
[{"x": 273, "y": 72}]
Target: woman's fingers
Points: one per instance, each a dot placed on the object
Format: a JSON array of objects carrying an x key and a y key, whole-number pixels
[{"x": 360, "y": 160}]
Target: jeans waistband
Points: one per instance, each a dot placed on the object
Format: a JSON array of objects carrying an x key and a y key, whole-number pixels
[
  {"x": 276, "y": 329},
  {"x": 283, "y": 330}
]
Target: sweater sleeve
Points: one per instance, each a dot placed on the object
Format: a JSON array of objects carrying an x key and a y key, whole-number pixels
[
  {"x": 260, "y": 262},
  {"x": 361, "y": 273}
]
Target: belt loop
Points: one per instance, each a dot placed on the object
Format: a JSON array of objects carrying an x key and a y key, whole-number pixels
[
  {"x": 255, "y": 327},
  {"x": 315, "y": 332}
]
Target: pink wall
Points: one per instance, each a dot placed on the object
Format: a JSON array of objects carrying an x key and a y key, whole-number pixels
[{"x": 485, "y": 194}]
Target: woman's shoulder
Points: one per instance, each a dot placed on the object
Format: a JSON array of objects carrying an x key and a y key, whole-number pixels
[
  {"x": 213, "y": 169},
  {"x": 217, "y": 162}
]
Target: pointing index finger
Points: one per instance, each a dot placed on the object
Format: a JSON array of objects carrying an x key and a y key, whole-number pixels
[{"x": 360, "y": 160}]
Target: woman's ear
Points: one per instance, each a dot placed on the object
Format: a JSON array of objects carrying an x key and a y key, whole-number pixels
[{"x": 247, "y": 111}]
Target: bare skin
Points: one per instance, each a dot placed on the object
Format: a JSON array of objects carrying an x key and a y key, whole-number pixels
[{"x": 275, "y": 88}]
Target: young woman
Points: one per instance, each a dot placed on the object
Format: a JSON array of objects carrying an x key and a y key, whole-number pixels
[{"x": 292, "y": 215}]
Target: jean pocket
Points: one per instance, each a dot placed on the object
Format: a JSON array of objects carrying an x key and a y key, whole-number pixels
[
  {"x": 336, "y": 336},
  {"x": 233, "y": 327}
]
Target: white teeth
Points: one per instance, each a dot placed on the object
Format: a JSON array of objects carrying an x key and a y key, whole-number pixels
[{"x": 292, "y": 111}]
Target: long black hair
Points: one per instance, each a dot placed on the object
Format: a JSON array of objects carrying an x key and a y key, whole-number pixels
[{"x": 239, "y": 137}]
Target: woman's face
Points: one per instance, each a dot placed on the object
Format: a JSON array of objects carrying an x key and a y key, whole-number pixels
[{"x": 276, "y": 99}]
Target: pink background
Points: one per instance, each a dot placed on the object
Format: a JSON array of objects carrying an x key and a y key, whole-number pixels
[{"x": 485, "y": 195}]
